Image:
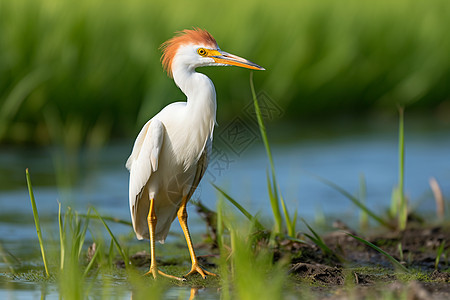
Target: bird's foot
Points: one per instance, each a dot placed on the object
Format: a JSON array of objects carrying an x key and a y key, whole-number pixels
[
  {"x": 156, "y": 272},
  {"x": 197, "y": 269}
]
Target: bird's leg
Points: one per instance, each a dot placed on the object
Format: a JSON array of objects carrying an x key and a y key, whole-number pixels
[
  {"x": 182, "y": 217},
  {"x": 151, "y": 219}
]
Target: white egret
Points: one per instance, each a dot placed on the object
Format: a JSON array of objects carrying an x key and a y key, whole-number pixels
[{"x": 170, "y": 154}]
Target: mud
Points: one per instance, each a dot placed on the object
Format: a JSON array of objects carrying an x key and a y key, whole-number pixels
[
  {"x": 353, "y": 269},
  {"x": 357, "y": 271}
]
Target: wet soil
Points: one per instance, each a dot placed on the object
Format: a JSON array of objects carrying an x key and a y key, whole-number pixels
[
  {"x": 355, "y": 270},
  {"x": 358, "y": 271}
]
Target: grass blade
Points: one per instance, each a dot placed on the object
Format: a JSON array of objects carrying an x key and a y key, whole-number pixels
[
  {"x": 113, "y": 238},
  {"x": 36, "y": 221},
  {"x": 259, "y": 118},
  {"x": 395, "y": 203},
  {"x": 363, "y": 217},
  {"x": 389, "y": 257},
  {"x": 289, "y": 224},
  {"x": 62, "y": 237},
  {"x": 224, "y": 252},
  {"x": 353, "y": 199},
  {"x": 440, "y": 250},
  {"x": 271, "y": 182},
  {"x": 111, "y": 252},
  {"x": 82, "y": 233},
  {"x": 239, "y": 207},
  {"x": 274, "y": 203},
  {"x": 91, "y": 263},
  {"x": 6, "y": 260},
  {"x": 112, "y": 219},
  {"x": 403, "y": 211},
  {"x": 318, "y": 240},
  {"x": 296, "y": 239}
]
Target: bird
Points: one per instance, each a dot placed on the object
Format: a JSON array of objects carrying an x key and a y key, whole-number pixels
[{"x": 171, "y": 152}]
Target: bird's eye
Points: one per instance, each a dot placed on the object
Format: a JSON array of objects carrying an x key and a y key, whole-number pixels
[{"x": 201, "y": 52}]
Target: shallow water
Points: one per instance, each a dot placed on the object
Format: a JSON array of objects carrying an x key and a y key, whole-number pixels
[{"x": 99, "y": 178}]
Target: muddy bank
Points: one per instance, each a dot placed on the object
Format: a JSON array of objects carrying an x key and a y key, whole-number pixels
[
  {"x": 353, "y": 269},
  {"x": 358, "y": 271}
]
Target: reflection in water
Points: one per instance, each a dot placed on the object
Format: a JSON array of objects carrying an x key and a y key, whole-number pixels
[{"x": 194, "y": 292}]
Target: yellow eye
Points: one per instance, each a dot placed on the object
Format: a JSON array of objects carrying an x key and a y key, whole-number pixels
[{"x": 201, "y": 52}]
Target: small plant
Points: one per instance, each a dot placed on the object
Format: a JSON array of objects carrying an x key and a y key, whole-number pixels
[
  {"x": 272, "y": 186},
  {"x": 400, "y": 251},
  {"x": 355, "y": 201},
  {"x": 439, "y": 252},
  {"x": 319, "y": 242},
  {"x": 5, "y": 256},
  {"x": 246, "y": 272},
  {"x": 402, "y": 213},
  {"x": 399, "y": 204},
  {"x": 363, "y": 216},
  {"x": 113, "y": 239},
  {"x": 275, "y": 197},
  {"x": 36, "y": 222},
  {"x": 395, "y": 262},
  {"x": 240, "y": 208},
  {"x": 72, "y": 273}
]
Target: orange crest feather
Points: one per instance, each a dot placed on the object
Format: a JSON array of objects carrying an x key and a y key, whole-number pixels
[{"x": 187, "y": 36}]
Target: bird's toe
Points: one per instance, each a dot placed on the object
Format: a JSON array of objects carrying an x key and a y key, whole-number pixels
[
  {"x": 155, "y": 272},
  {"x": 197, "y": 269}
]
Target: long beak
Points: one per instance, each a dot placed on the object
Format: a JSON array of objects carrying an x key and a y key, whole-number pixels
[{"x": 222, "y": 57}]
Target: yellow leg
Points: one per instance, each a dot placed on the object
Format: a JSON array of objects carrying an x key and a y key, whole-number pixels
[
  {"x": 151, "y": 219},
  {"x": 182, "y": 217}
]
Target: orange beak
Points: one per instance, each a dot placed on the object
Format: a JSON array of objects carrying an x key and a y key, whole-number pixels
[{"x": 222, "y": 57}]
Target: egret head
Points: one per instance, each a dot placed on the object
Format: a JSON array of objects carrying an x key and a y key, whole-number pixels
[{"x": 197, "y": 48}]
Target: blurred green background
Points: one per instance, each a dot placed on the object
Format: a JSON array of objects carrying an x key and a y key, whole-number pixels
[{"x": 87, "y": 71}]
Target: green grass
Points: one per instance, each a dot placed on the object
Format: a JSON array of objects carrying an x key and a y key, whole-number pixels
[
  {"x": 319, "y": 241},
  {"x": 399, "y": 207},
  {"x": 239, "y": 207},
  {"x": 363, "y": 217},
  {"x": 402, "y": 214},
  {"x": 439, "y": 252},
  {"x": 8, "y": 258},
  {"x": 275, "y": 200},
  {"x": 37, "y": 223},
  {"x": 377, "y": 217},
  {"x": 399, "y": 203},
  {"x": 75, "y": 276},
  {"x": 395, "y": 262},
  {"x": 122, "y": 253},
  {"x": 96, "y": 67},
  {"x": 283, "y": 224},
  {"x": 246, "y": 266},
  {"x": 273, "y": 190},
  {"x": 246, "y": 272}
]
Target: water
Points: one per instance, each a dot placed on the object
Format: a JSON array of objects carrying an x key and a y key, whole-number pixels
[{"x": 100, "y": 179}]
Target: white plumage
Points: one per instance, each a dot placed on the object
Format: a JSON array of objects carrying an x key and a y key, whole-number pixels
[
  {"x": 165, "y": 157},
  {"x": 170, "y": 154}
]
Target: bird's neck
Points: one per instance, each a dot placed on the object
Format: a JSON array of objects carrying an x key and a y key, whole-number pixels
[{"x": 200, "y": 93}]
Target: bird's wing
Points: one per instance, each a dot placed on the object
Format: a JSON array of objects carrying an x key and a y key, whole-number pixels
[
  {"x": 202, "y": 164},
  {"x": 144, "y": 159}
]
